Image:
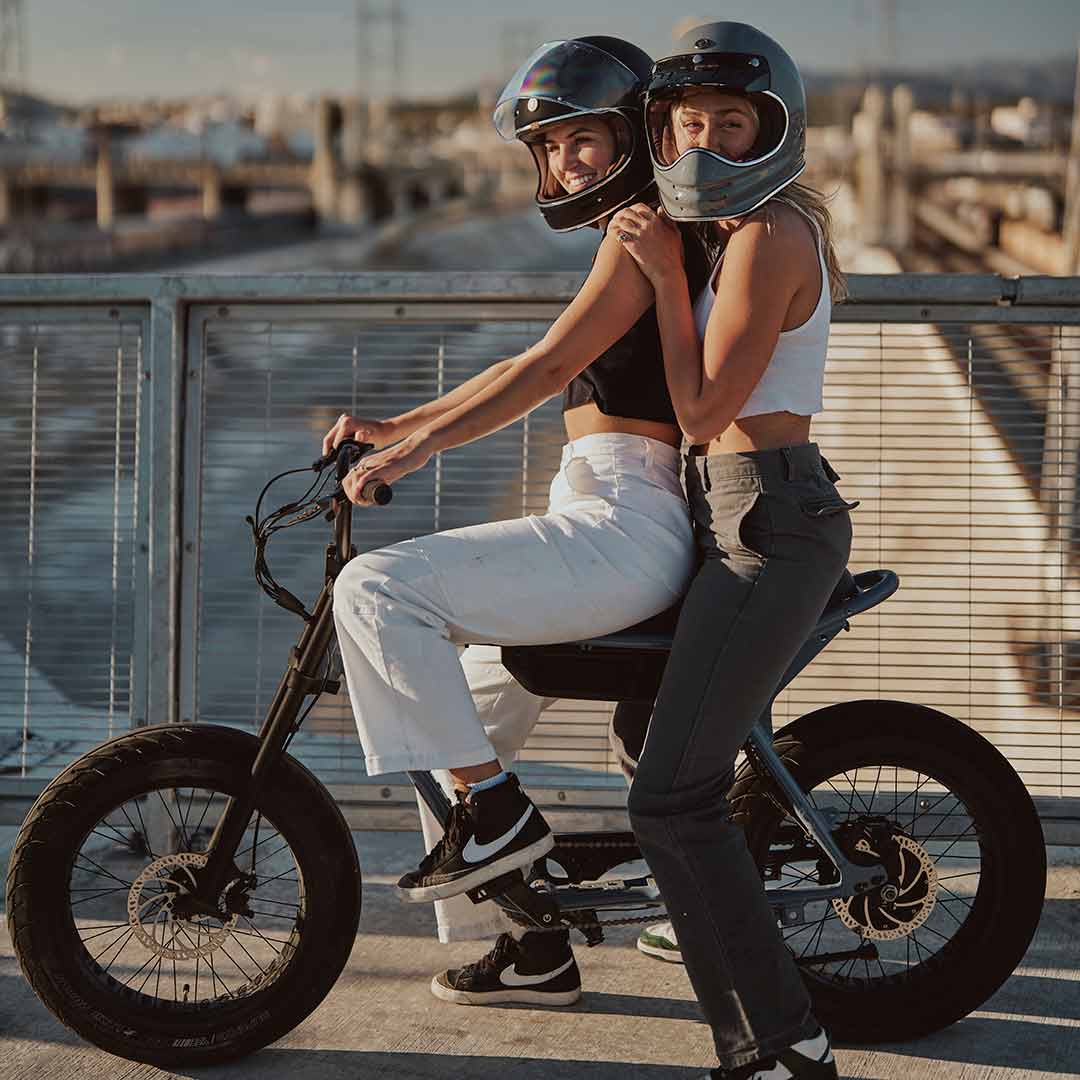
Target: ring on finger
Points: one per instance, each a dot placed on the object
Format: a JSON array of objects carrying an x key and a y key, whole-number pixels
[{"x": 625, "y": 237}]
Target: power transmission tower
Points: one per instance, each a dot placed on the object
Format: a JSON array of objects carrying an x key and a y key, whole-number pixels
[
  {"x": 12, "y": 44},
  {"x": 890, "y": 58},
  {"x": 380, "y": 49}
]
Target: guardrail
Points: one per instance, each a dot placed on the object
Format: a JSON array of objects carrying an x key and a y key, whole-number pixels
[{"x": 141, "y": 414}]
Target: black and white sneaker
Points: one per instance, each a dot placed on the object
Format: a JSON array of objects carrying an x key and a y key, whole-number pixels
[
  {"x": 488, "y": 834},
  {"x": 540, "y": 969},
  {"x": 811, "y": 1059}
]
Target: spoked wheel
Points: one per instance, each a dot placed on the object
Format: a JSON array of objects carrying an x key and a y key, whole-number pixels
[
  {"x": 963, "y": 851},
  {"x": 101, "y": 900}
]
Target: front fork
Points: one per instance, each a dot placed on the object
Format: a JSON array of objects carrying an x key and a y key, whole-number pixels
[{"x": 302, "y": 677}]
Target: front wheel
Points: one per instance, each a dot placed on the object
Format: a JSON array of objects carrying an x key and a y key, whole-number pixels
[
  {"x": 929, "y": 798},
  {"x": 97, "y": 900}
]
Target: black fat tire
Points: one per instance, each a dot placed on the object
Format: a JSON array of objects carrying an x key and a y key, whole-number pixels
[
  {"x": 52, "y": 957},
  {"x": 1008, "y": 903}
]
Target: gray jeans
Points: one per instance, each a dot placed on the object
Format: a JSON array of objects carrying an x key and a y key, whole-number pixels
[{"x": 774, "y": 537}]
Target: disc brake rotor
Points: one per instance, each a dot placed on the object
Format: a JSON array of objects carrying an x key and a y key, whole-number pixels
[
  {"x": 904, "y": 902},
  {"x": 150, "y": 910}
]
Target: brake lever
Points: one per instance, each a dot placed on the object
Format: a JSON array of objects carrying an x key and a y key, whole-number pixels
[{"x": 330, "y": 458}]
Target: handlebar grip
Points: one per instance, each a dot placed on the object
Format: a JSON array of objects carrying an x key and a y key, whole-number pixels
[{"x": 377, "y": 492}]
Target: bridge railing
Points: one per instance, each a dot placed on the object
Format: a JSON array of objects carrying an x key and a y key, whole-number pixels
[{"x": 141, "y": 415}]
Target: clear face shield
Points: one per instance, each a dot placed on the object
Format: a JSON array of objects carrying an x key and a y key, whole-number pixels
[{"x": 560, "y": 78}]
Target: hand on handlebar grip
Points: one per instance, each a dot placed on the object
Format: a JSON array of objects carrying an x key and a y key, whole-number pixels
[{"x": 375, "y": 491}]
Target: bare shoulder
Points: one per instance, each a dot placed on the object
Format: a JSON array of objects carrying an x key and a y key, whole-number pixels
[
  {"x": 775, "y": 228},
  {"x": 777, "y": 237}
]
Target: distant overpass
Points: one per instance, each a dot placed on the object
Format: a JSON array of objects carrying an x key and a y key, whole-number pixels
[{"x": 375, "y": 180}]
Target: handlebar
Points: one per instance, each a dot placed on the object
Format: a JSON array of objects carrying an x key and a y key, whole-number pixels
[
  {"x": 346, "y": 454},
  {"x": 334, "y": 507},
  {"x": 377, "y": 492}
]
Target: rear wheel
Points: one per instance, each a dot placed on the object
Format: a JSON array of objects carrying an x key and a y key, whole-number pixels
[
  {"x": 964, "y": 854},
  {"x": 101, "y": 913}
]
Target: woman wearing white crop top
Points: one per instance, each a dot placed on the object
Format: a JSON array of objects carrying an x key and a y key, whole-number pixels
[
  {"x": 745, "y": 367},
  {"x": 745, "y": 362}
]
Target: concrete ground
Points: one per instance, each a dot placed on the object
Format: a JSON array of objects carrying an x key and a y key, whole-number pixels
[{"x": 637, "y": 1019}]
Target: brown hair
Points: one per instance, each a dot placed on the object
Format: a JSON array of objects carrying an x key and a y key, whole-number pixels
[{"x": 815, "y": 206}]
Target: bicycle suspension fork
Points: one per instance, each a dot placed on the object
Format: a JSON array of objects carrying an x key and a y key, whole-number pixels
[{"x": 302, "y": 677}]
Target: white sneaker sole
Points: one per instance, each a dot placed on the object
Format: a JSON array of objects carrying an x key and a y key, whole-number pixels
[
  {"x": 444, "y": 890},
  {"x": 672, "y": 956},
  {"x": 503, "y": 997}
]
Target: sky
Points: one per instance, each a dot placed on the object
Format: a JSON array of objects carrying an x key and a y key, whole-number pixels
[{"x": 80, "y": 51}]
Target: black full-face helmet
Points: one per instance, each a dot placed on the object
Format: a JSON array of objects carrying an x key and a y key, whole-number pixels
[
  {"x": 596, "y": 77},
  {"x": 701, "y": 184}
]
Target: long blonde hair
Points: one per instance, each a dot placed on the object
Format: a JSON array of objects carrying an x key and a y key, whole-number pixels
[
  {"x": 810, "y": 202},
  {"x": 815, "y": 206}
]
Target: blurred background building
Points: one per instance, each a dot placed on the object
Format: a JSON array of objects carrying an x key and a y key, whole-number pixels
[{"x": 948, "y": 159}]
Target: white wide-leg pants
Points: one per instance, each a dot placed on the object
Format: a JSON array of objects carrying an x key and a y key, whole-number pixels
[
  {"x": 615, "y": 547},
  {"x": 508, "y": 712}
]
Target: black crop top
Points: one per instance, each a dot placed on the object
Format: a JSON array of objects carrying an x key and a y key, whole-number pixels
[{"x": 628, "y": 378}]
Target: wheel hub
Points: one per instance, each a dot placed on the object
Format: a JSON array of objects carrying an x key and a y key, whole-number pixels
[
  {"x": 156, "y": 915},
  {"x": 900, "y": 906}
]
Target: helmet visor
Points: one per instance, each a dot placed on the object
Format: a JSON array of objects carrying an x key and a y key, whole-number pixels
[
  {"x": 738, "y": 128},
  {"x": 572, "y": 74}
]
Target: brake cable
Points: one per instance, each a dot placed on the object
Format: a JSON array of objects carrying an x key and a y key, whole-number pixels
[{"x": 293, "y": 513}]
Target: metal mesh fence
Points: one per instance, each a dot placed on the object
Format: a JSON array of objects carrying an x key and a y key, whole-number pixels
[
  {"x": 69, "y": 435},
  {"x": 956, "y": 427},
  {"x": 940, "y": 431}
]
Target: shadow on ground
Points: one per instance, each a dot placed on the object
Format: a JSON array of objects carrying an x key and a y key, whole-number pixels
[{"x": 360, "y": 1065}]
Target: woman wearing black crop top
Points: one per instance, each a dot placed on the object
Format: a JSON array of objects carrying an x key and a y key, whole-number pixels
[{"x": 615, "y": 546}]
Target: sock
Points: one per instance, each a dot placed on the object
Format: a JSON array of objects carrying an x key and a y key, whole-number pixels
[{"x": 490, "y": 782}]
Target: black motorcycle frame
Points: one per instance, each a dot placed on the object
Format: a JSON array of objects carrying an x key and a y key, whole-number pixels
[{"x": 583, "y": 670}]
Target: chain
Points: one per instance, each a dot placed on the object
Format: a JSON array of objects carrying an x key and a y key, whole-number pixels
[
  {"x": 593, "y": 924},
  {"x": 597, "y": 924},
  {"x": 630, "y": 920}
]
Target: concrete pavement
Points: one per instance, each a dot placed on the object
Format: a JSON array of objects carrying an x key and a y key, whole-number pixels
[{"x": 637, "y": 1019}]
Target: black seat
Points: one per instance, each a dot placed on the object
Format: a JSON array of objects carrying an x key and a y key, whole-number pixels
[
  {"x": 628, "y": 664},
  {"x": 653, "y": 631}
]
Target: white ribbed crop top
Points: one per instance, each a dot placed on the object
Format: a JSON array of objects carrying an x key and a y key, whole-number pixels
[{"x": 794, "y": 377}]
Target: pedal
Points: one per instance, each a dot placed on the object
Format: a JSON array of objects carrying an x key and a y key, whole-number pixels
[
  {"x": 534, "y": 908},
  {"x": 495, "y": 887}
]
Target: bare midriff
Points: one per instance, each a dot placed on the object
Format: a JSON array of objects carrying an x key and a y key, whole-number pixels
[
  {"x": 587, "y": 419},
  {"x": 763, "y": 432}
]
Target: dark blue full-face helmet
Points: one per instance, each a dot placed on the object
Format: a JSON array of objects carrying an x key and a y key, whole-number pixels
[
  {"x": 701, "y": 184},
  {"x": 597, "y": 77}
]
